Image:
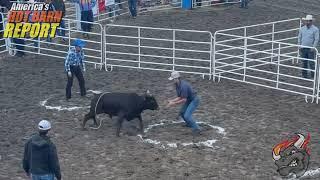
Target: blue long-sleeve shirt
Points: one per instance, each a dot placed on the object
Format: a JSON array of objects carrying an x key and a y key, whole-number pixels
[
  {"x": 74, "y": 59},
  {"x": 308, "y": 36},
  {"x": 85, "y": 5}
]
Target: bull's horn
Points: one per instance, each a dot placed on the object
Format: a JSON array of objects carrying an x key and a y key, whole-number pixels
[
  {"x": 275, "y": 157},
  {"x": 299, "y": 142}
]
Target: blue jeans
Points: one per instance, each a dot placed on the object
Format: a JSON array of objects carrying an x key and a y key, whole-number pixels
[
  {"x": 111, "y": 9},
  {"x": 118, "y": 2},
  {"x": 42, "y": 177},
  {"x": 307, "y": 54},
  {"x": 133, "y": 7},
  {"x": 244, "y": 3},
  {"x": 19, "y": 44},
  {"x": 186, "y": 113},
  {"x": 62, "y": 32}
]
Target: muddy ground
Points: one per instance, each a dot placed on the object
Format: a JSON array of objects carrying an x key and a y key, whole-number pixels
[{"x": 254, "y": 118}]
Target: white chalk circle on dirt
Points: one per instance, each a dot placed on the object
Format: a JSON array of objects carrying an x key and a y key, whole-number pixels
[
  {"x": 307, "y": 174},
  {"x": 66, "y": 107},
  {"x": 165, "y": 144}
]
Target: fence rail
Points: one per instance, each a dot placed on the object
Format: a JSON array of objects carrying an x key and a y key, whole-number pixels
[
  {"x": 266, "y": 54},
  {"x": 240, "y": 54},
  {"x": 137, "y": 49}
]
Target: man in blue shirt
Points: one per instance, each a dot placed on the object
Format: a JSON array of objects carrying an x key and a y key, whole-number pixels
[
  {"x": 309, "y": 37},
  {"x": 187, "y": 96},
  {"x": 74, "y": 65}
]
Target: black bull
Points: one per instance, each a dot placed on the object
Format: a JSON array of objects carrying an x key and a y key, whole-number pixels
[{"x": 123, "y": 105}]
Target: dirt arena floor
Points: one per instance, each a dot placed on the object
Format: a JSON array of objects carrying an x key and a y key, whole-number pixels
[{"x": 247, "y": 120}]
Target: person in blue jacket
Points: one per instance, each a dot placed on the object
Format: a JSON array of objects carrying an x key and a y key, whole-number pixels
[{"x": 74, "y": 66}]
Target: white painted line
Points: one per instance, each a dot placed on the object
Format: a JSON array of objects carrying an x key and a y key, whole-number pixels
[
  {"x": 208, "y": 143},
  {"x": 65, "y": 107},
  {"x": 220, "y": 129},
  {"x": 61, "y": 108},
  {"x": 93, "y": 91},
  {"x": 309, "y": 173}
]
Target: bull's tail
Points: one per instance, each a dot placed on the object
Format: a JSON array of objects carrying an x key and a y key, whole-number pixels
[
  {"x": 96, "y": 128},
  {"x": 95, "y": 112}
]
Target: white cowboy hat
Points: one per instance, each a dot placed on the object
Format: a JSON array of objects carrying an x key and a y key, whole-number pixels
[
  {"x": 308, "y": 18},
  {"x": 44, "y": 125},
  {"x": 174, "y": 75}
]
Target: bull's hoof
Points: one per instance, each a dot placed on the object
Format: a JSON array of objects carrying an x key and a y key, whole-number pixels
[
  {"x": 93, "y": 126},
  {"x": 119, "y": 134},
  {"x": 144, "y": 136}
]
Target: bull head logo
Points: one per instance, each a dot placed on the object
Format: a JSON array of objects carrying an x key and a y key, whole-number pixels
[{"x": 292, "y": 156}]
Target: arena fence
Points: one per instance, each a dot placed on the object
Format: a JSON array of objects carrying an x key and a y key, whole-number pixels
[
  {"x": 94, "y": 44},
  {"x": 158, "y": 49},
  {"x": 264, "y": 55},
  {"x": 58, "y": 47},
  {"x": 114, "y": 8},
  {"x": 111, "y": 11},
  {"x": 155, "y": 5},
  {"x": 3, "y": 47},
  {"x": 206, "y": 3},
  {"x": 71, "y": 10}
]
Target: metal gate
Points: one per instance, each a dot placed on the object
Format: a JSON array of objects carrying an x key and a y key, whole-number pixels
[
  {"x": 205, "y": 3},
  {"x": 3, "y": 47},
  {"x": 158, "y": 49},
  {"x": 266, "y": 55},
  {"x": 59, "y": 46}
]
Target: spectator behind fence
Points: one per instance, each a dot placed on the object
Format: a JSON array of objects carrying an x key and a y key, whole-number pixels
[
  {"x": 308, "y": 36},
  {"x": 19, "y": 43},
  {"x": 119, "y": 3},
  {"x": 60, "y": 6},
  {"x": 133, "y": 8},
  {"x": 7, "y": 4},
  {"x": 51, "y": 8},
  {"x": 244, "y": 4},
  {"x": 74, "y": 66},
  {"x": 198, "y": 2},
  {"x": 86, "y": 14},
  {"x": 40, "y": 159},
  {"x": 113, "y": 8}
]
